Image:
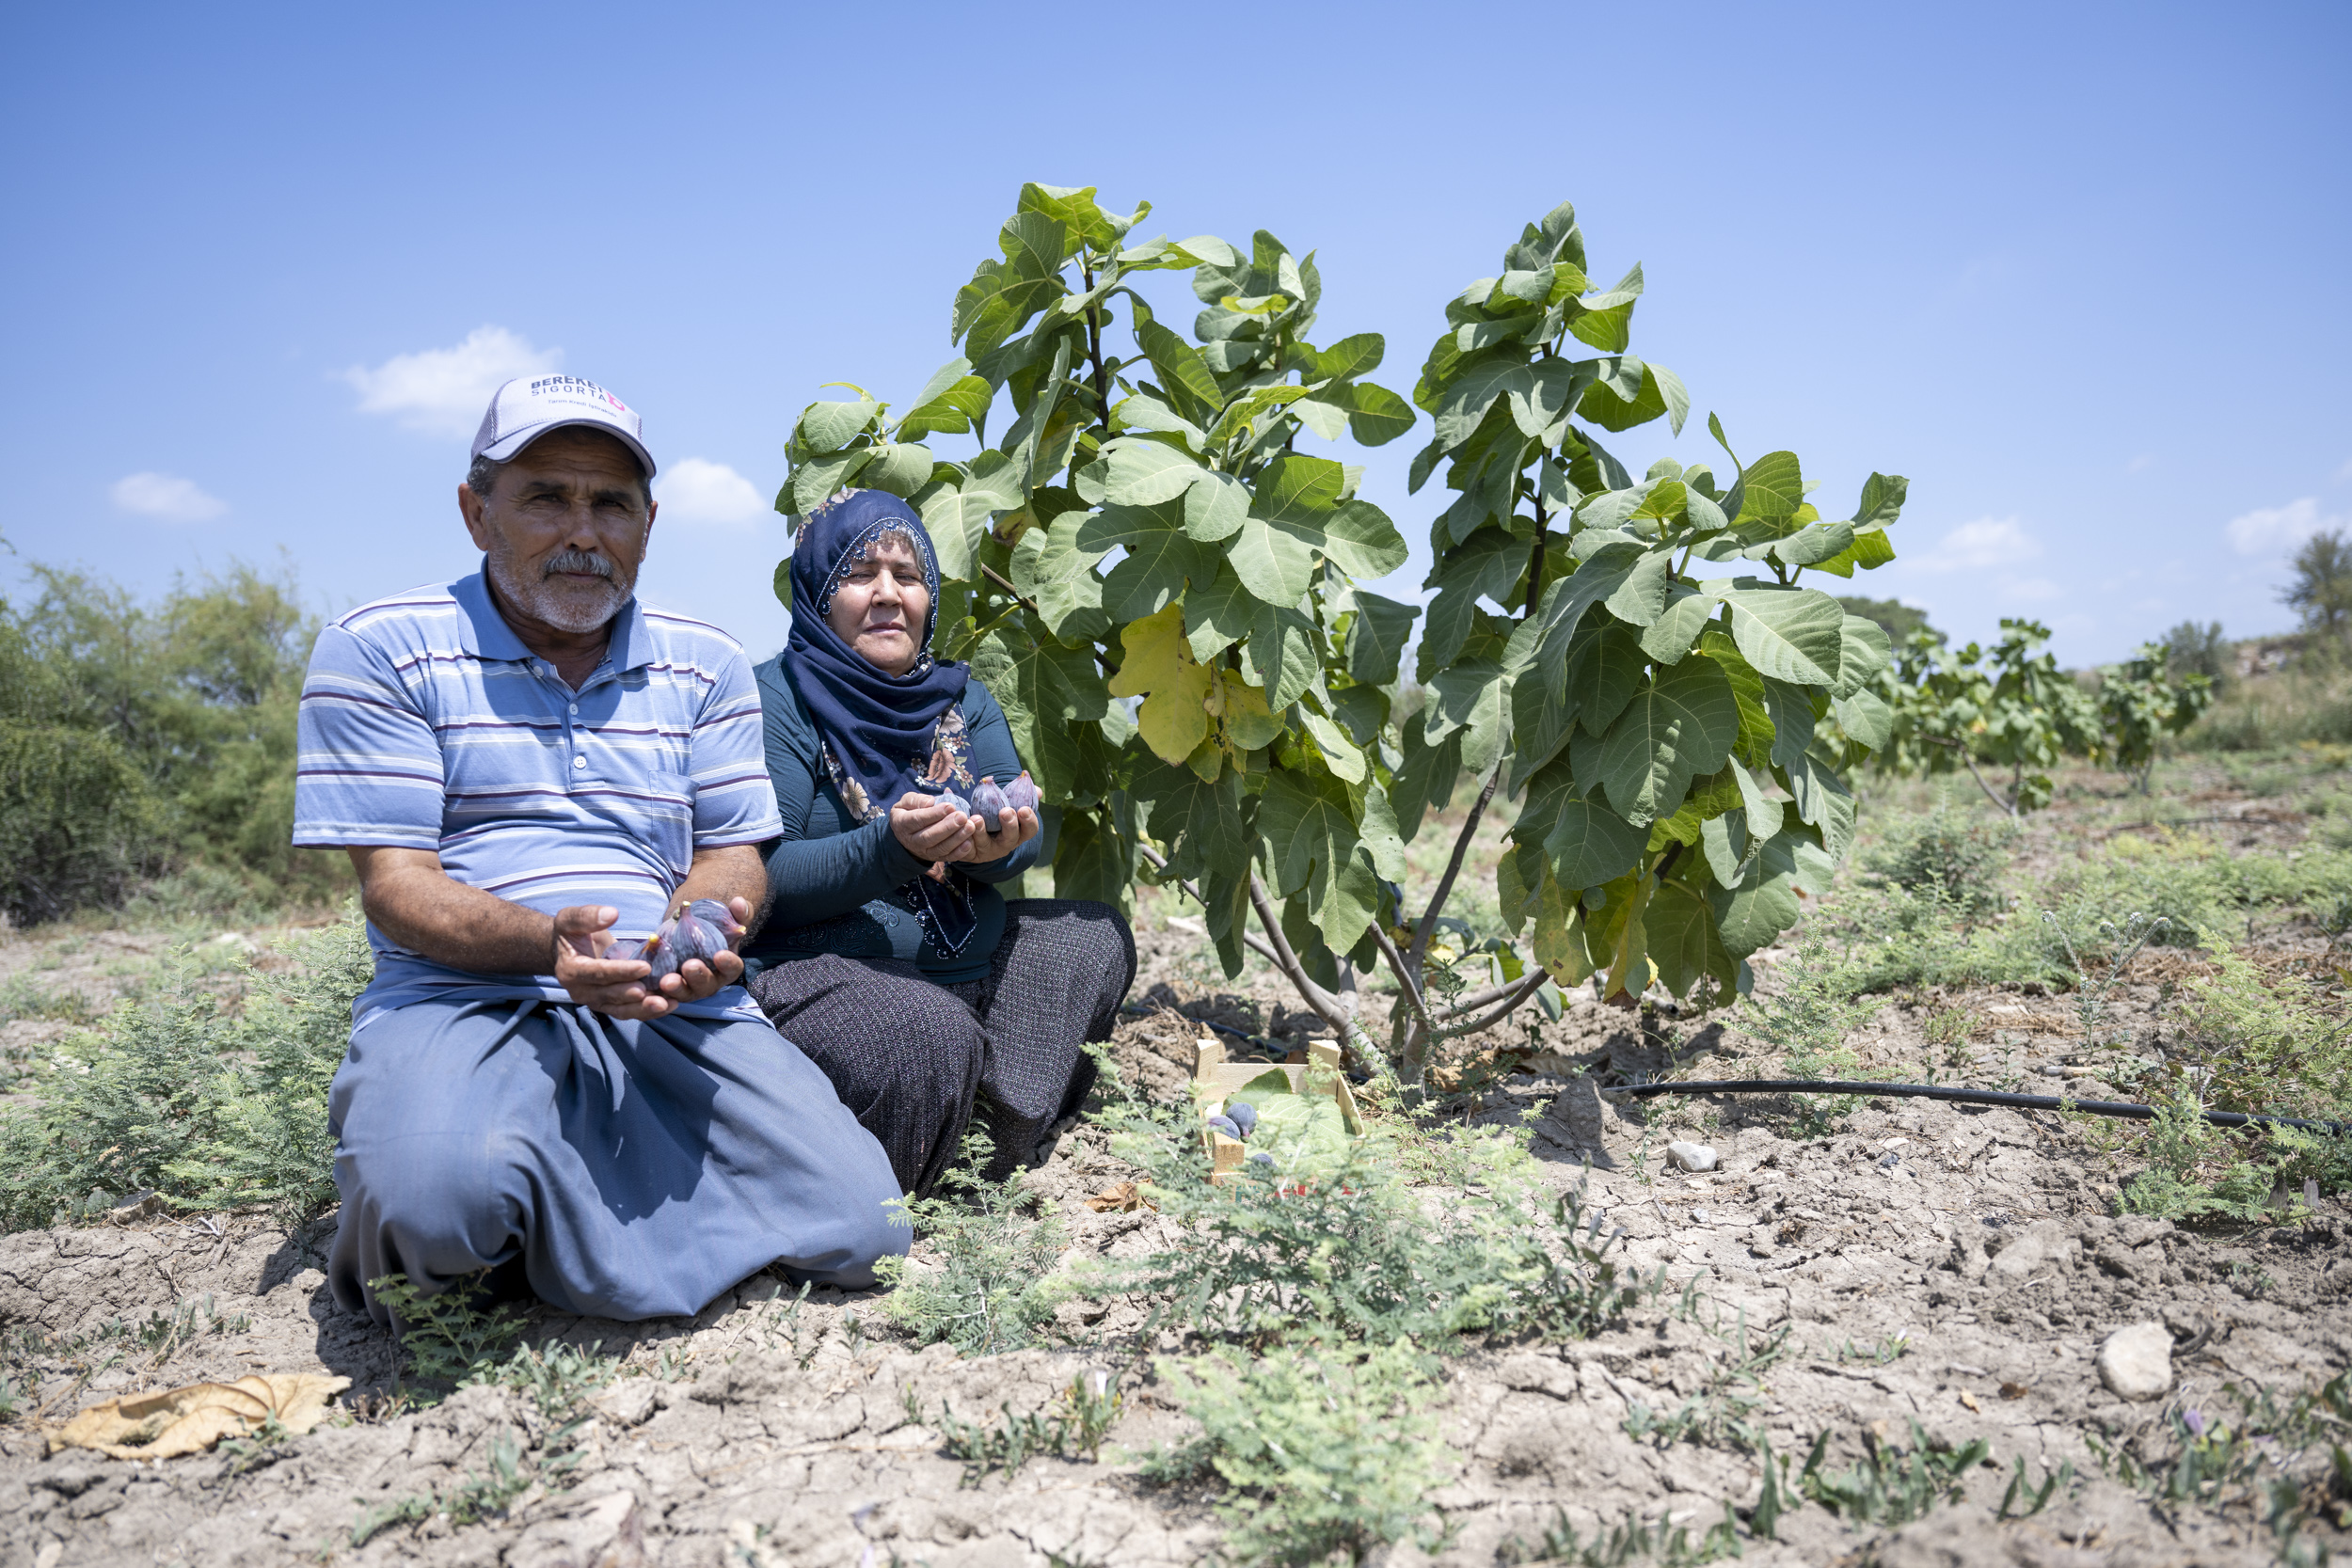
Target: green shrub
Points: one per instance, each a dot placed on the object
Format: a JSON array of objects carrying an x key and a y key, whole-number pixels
[
  {"x": 77, "y": 820},
  {"x": 1946, "y": 847},
  {"x": 2259, "y": 1039},
  {"x": 181, "y": 1095},
  {"x": 137, "y": 736},
  {"x": 992, "y": 1287},
  {"x": 1358, "y": 1255},
  {"x": 1330, "y": 1447}
]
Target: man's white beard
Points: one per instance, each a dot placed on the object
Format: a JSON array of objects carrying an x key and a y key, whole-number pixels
[{"x": 555, "y": 601}]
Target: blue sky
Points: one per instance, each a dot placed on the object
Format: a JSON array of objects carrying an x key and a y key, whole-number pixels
[{"x": 2076, "y": 270}]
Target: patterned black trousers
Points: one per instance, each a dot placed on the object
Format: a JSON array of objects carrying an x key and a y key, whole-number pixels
[{"x": 915, "y": 1060}]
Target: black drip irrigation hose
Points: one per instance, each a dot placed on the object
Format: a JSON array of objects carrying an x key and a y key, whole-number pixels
[
  {"x": 2124, "y": 1108},
  {"x": 1966, "y": 1096}
]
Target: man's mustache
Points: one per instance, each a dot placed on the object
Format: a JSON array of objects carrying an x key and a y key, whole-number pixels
[{"x": 578, "y": 561}]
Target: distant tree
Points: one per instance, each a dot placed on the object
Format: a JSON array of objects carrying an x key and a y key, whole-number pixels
[
  {"x": 2322, "y": 588},
  {"x": 2142, "y": 700},
  {"x": 1896, "y": 618},
  {"x": 2190, "y": 649}
]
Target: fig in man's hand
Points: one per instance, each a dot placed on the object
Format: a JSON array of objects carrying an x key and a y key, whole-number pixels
[
  {"x": 716, "y": 916},
  {"x": 987, "y": 801},
  {"x": 1021, "y": 795},
  {"x": 659, "y": 952},
  {"x": 694, "y": 937}
]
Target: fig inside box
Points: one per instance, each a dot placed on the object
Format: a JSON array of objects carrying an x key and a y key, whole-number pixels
[{"x": 1299, "y": 1119}]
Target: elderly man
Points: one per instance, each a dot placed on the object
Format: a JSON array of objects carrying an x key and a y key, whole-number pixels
[{"x": 528, "y": 767}]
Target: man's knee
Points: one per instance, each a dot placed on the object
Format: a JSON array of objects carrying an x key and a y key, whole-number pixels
[{"x": 439, "y": 1204}]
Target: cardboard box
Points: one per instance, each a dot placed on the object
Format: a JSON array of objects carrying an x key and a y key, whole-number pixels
[{"x": 1213, "y": 1078}]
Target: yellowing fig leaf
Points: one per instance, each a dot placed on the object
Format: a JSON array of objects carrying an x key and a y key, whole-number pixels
[
  {"x": 1160, "y": 669},
  {"x": 1242, "y": 710}
]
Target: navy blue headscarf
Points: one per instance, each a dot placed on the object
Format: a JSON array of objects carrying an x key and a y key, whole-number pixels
[{"x": 879, "y": 726}]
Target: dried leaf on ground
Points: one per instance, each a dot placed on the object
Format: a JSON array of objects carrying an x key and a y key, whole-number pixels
[
  {"x": 1121, "y": 1199},
  {"x": 191, "y": 1419}
]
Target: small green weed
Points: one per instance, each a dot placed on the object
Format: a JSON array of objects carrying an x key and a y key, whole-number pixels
[
  {"x": 1956, "y": 851},
  {"x": 1357, "y": 1255},
  {"x": 187, "y": 1096},
  {"x": 1884, "y": 1353},
  {"x": 1079, "y": 1422},
  {"x": 1722, "y": 1412},
  {"x": 1661, "y": 1542},
  {"x": 446, "y": 1337},
  {"x": 2054, "y": 1483},
  {"x": 471, "y": 1500},
  {"x": 29, "y": 997},
  {"x": 1888, "y": 1486}
]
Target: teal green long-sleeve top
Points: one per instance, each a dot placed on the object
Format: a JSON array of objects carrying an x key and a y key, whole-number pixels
[{"x": 833, "y": 880}]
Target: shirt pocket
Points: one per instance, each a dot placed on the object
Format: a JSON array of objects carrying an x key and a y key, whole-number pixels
[{"x": 665, "y": 803}]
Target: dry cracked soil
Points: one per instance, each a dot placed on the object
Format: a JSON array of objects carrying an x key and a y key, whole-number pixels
[{"x": 1950, "y": 1267}]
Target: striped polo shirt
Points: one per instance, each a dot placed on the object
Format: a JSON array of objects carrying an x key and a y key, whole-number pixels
[{"x": 427, "y": 724}]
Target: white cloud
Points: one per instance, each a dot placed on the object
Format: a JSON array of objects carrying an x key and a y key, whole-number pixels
[
  {"x": 166, "y": 496},
  {"x": 1986, "y": 541},
  {"x": 446, "y": 391},
  {"x": 696, "y": 490},
  {"x": 2271, "y": 529}
]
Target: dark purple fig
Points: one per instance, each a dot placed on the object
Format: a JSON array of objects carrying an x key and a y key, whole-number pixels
[
  {"x": 1021, "y": 795},
  {"x": 1259, "y": 1157},
  {"x": 1242, "y": 1115},
  {"x": 695, "y": 938},
  {"x": 948, "y": 796},
  {"x": 1225, "y": 1126},
  {"x": 715, "y": 916},
  {"x": 987, "y": 800},
  {"x": 661, "y": 952}
]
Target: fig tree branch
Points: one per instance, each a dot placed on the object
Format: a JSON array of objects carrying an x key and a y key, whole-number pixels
[
  {"x": 1159, "y": 862},
  {"x": 1326, "y": 1005},
  {"x": 2008, "y": 807},
  {"x": 1405, "y": 979},
  {"x": 1453, "y": 869},
  {"x": 1529, "y": 985}
]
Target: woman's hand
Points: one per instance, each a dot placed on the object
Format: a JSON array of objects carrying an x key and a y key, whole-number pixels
[
  {"x": 1013, "y": 830},
  {"x": 930, "y": 831}
]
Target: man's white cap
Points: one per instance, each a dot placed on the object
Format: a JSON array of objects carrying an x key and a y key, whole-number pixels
[{"x": 528, "y": 406}]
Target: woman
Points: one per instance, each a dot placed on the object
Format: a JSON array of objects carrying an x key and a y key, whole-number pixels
[{"x": 887, "y": 955}]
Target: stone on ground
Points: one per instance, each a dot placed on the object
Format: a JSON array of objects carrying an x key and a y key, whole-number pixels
[{"x": 2135, "y": 1363}]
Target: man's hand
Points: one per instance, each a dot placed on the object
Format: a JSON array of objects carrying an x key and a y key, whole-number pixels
[
  {"x": 583, "y": 935},
  {"x": 1013, "y": 830},
  {"x": 930, "y": 830},
  {"x": 413, "y": 901}
]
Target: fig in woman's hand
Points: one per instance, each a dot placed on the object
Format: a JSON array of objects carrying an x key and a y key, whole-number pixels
[
  {"x": 1021, "y": 795},
  {"x": 948, "y": 796},
  {"x": 987, "y": 801}
]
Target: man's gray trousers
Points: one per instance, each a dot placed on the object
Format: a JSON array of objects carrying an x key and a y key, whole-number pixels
[{"x": 634, "y": 1170}]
